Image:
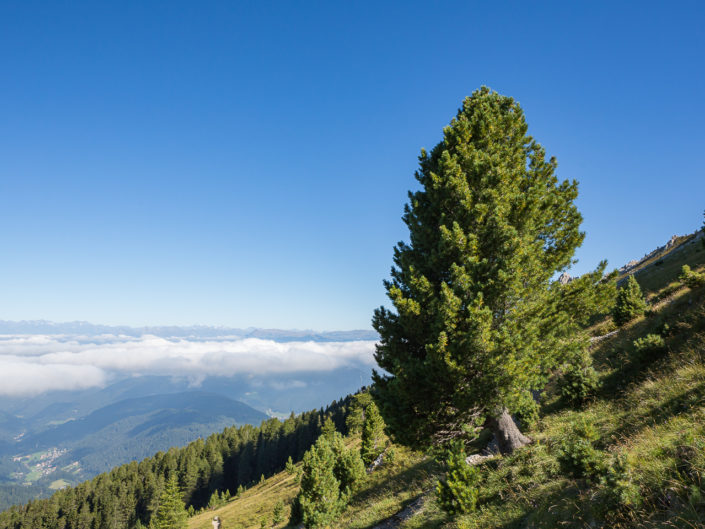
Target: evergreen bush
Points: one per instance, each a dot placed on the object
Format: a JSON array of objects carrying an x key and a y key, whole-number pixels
[
  {"x": 579, "y": 381},
  {"x": 290, "y": 468},
  {"x": 690, "y": 278},
  {"x": 372, "y": 431},
  {"x": 649, "y": 345},
  {"x": 630, "y": 302},
  {"x": 278, "y": 514},
  {"x": 330, "y": 474},
  {"x": 617, "y": 484},
  {"x": 458, "y": 492},
  {"x": 579, "y": 457}
]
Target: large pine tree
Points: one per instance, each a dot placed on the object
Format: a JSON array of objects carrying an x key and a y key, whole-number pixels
[{"x": 478, "y": 321}]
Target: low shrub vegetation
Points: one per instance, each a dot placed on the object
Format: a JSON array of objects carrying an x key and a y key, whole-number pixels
[
  {"x": 691, "y": 278},
  {"x": 630, "y": 302}
]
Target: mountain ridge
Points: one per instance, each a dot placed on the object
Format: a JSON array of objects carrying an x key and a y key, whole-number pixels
[{"x": 176, "y": 331}]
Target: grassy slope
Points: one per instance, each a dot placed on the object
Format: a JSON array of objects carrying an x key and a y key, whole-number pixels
[
  {"x": 650, "y": 410},
  {"x": 252, "y": 505}
]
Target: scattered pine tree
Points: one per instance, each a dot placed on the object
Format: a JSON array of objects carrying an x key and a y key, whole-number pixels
[
  {"x": 171, "y": 513},
  {"x": 328, "y": 429},
  {"x": 372, "y": 432},
  {"x": 290, "y": 467},
  {"x": 278, "y": 513},
  {"x": 331, "y": 473},
  {"x": 320, "y": 497},
  {"x": 458, "y": 492},
  {"x": 356, "y": 412},
  {"x": 630, "y": 302}
]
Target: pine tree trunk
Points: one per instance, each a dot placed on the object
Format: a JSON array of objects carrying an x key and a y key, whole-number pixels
[{"x": 506, "y": 432}]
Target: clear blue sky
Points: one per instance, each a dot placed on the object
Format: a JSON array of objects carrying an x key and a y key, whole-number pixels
[{"x": 246, "y": 163}]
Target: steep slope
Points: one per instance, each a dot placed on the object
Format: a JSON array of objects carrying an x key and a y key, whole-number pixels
[
  {"x": 135, "y": 428},
  {"x": 632, "y": 456},
  {"x": 648, "y": 417},
  {"x": 129, "y": 494}
]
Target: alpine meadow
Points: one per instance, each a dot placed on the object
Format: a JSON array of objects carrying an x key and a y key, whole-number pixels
[{"x": 352, "y": 265}]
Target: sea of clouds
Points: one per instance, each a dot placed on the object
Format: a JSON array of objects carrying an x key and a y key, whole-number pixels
[{"x": 34, "y": 364}]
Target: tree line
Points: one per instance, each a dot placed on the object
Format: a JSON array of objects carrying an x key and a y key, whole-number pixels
[{"x": 128, "y": 496}]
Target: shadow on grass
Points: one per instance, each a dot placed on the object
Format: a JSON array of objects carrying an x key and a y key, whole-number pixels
[
  {"x": 684, "y": 319},
  {"x": 684, "y": 402},
  {"x": 391, "y": 483}
]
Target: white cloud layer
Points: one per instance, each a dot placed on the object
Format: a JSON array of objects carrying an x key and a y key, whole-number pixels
[{"x": 34, "y": 364}]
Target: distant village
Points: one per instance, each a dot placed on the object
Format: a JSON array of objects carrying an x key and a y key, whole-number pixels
[{"x": 45, "y": 464}]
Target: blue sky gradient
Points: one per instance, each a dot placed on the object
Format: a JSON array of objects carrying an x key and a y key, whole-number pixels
[{"x": 246, "y": 164}]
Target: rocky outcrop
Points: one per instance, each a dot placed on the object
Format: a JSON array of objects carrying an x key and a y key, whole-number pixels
[{"x": 675, "y": 243}]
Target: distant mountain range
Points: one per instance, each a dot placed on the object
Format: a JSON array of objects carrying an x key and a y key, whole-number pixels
[
  {"x": 61, "y": 437},
  {"x": 134, "y": 428},
  {"x": 193, "y": 331},
  {"x": 57, "y": 446}
]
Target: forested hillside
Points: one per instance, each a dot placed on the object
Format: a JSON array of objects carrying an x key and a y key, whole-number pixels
[{"x": 128, "y": 495}]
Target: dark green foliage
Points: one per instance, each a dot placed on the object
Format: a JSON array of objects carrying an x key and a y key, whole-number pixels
[
  {"x": 226, "y": 461},
  {"x": 349, "y": 469},
  {"x": 458, "y": 492},
  {"x": 296, "y": 515},
  {"x": 617, "y": 485},
  {"x": 331, "y": 473},
  {"x": 579, "y": 380},
  {"x": 328, "y": 429},
  {"x": 690, "y": 278},
  {"x": 171, "y": 513},
  {"x": 356, "y": 412},
  {"x": 649, "y": 345},
  {"x": 372, "y": 432},
  {"x": 214, "y": 501},
  {"x": 320, "y": 496},
  {"x": 217, "y": 499},
  {"x": 290, "y": 468},
  {"x": 278, "y": 513},
  {"x": 479, "y": 321},
  {"x": 578, "y": 455},
  {"x": 630, "y": 302}
]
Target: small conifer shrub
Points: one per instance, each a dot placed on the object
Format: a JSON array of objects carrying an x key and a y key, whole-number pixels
[
  {"x": 578, "y": 455},
  {"x": 278, "y": 514},
  {"x": 458, "y": 492},
  {"x": 330, "y": 474},
  {"x": 630, "y": 302},
  {"x": 579, "y": 381},
  {"x": 372, "y": 432},
  {"x": 617, "y": 484},
  {"x": 690, "y": 278},
  {"x": 290, "y": 468},
  {"x": 649, "y": 345}
]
